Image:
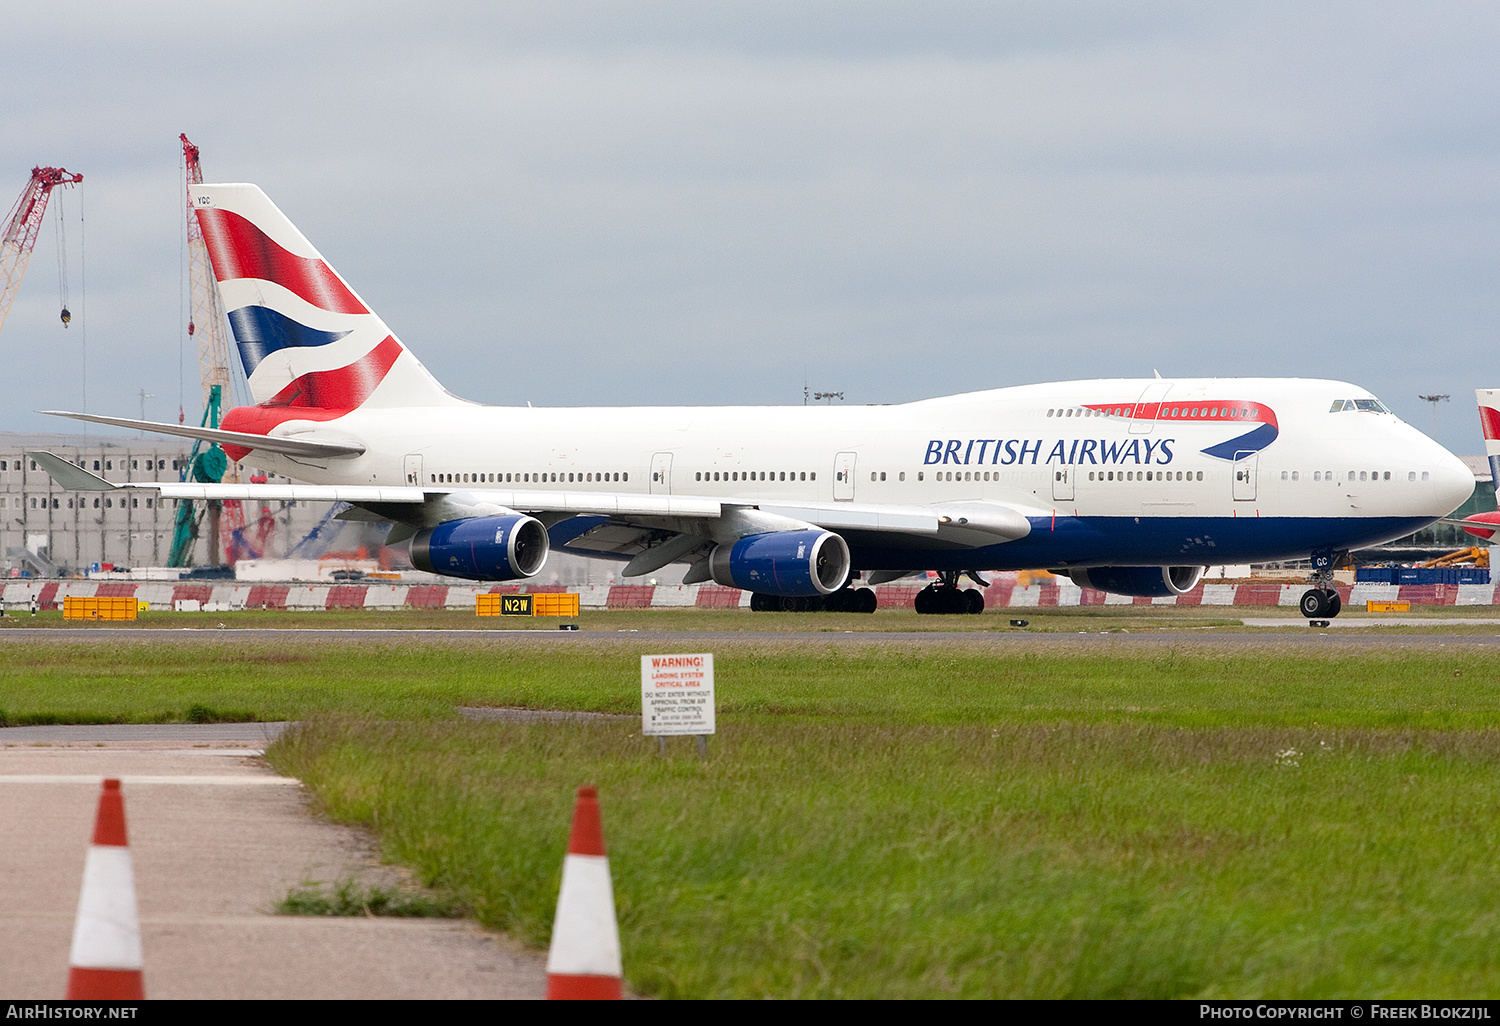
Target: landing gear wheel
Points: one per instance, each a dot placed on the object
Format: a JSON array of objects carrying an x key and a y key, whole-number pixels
[
  {"x": 1313, "y": 604},
  {"x": 866, "y": 601},
  {"x": 1318, "y": 603},
  {"x": 973, "y": 601}
]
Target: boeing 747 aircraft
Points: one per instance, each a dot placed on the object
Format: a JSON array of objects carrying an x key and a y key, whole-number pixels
[{"x": 1131, "y": 487}]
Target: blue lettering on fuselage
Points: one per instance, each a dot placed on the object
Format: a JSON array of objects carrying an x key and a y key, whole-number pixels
[{"x": 1003, "y": 451}]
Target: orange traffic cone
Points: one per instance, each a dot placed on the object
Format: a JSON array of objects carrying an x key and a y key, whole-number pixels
[
  {"x": 105, "y": 964},
  {"x": 584, "y": 960}
]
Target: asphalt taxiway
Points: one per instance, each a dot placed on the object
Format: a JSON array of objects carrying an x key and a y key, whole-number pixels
[
  {"x": 1405, "y": 631},
  {"x": 216, "y": 837}
]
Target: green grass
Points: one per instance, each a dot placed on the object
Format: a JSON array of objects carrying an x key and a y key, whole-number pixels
[
  {"x": 1017, "y": 816},
  {"x": 349, "y": 897},
  {"x": 1100, "y": 860}
]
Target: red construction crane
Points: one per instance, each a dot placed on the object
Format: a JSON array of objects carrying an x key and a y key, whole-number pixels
[
  {"x": 227, "y": 532},
  {"x": 18, "y": 237}
]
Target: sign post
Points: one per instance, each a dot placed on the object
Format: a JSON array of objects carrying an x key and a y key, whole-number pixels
[{"x": 677, "y": 697}]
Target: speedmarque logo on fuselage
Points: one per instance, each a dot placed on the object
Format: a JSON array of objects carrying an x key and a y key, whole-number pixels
[{"x": 1004, "y": 452}]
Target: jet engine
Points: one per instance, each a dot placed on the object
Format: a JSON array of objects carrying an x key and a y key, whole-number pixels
[
  {"x": 785, "y": 563},
  {"x": 1143, "y": 581},
  {"x": 494, "y": 548}
]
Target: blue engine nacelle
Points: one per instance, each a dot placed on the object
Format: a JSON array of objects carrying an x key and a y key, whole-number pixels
[
  {"x": 497, "y": 548},
  {"x": 785, "y": 563},
  {"x": 1142, "y": 581}
]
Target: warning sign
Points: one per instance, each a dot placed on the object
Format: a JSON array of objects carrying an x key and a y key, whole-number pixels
[{"x": 677, "y": 694}]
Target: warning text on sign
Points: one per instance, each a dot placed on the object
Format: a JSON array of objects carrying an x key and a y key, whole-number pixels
[{"x": 677, "y": 694}]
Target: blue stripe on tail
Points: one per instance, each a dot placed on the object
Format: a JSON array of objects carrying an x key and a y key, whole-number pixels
[{"x": 261, "y": 331}]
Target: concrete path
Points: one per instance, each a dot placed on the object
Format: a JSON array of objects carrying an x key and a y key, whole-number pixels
[{"x": 216, "y": 838}]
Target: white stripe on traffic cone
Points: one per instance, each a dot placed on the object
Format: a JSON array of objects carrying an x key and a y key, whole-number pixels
[
  {"x": 584, "y": 960},
  {"x": 106, "y": 963}
]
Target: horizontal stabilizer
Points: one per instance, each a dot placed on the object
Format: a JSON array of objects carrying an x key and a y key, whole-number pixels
[
  {"x": 304, "y": 447},
  {"x": 68, "y": 476}
]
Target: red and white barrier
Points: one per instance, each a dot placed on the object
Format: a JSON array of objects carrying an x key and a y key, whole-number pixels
[
  {"x": 106, "y": 963},
  {"x": 1003, "y": 593},
  {"x": 583, "y": 962}
]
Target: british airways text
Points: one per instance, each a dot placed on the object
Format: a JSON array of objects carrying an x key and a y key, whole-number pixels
[{"x": 1007, "y": 451}]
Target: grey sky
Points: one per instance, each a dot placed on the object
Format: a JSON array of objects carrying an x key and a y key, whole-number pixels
[{"x": 609, "y": 203}]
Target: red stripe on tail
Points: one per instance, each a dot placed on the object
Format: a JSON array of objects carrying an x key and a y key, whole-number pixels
[
  {"x": 241, "y": 250},
  {"x": 1489, "y": 422},
  {"x": 317, "y": 395}
]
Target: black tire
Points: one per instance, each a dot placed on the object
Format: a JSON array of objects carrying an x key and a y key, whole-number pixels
[
  {"x": 925, "y": 600},
  {"x": 1334, "y": 604},
  {"x": 973, "y": 601},
  {"x": 1314, "y": 604},
  {"x": 865, "y": 601}
]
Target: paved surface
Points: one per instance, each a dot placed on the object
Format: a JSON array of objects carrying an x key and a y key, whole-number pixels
[
  {"x": 216, "y": 838},
  {"x": 1417, "y": 632}
]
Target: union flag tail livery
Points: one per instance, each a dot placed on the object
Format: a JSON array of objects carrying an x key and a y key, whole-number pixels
[
  {"x": 1484, "y": 525},
  {"x": 1127, "y": 486},
  {"x": 310, "y": 346}
]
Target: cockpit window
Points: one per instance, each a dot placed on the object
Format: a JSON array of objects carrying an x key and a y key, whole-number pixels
[{"x": 1360, "y": 405}]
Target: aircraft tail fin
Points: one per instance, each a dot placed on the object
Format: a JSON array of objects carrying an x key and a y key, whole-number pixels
[
  {"x": 308, "y": 343},
  {"x": 1489, "y": 423}
]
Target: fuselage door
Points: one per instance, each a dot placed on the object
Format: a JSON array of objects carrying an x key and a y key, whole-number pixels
[
  {"x": 1148, "y": 407},
  {"x": 843, "y": 477},
  {"x": 1244, "y": 475},
  {"x": 412, "y": 467},
  {"x": 1062, "y": 481},
  {"x": 661, "y": 473}
]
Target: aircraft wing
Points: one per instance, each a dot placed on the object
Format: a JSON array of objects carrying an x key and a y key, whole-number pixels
[{"x": 649, "y": 531}]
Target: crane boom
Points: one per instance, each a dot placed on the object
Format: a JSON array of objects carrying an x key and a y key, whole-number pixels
[{"x": 18, "y": 237}]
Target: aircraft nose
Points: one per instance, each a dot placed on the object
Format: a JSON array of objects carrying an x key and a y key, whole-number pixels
[{"x": 1452, "y": 482}]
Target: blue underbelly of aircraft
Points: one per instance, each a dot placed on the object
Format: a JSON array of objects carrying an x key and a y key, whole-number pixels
[
  {"x": 1147, "y": 541},
  {"x": 1095, "y": 541}
]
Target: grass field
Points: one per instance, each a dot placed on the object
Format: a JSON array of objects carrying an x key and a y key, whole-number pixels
[{"x": 1013, "y": 817}]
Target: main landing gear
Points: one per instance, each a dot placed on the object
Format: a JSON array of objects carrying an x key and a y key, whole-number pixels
[
  {"x": 946, "y": 597},
  {"x": 845, "y": 600}
]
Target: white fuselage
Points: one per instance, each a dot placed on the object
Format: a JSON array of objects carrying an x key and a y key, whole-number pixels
[{"x": 1090, "y": 452}]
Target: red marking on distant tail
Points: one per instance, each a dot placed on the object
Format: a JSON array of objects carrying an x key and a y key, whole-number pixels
[{"x": 1489, "y": 422}]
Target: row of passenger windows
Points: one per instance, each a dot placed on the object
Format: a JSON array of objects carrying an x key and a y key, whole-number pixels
[
  {"x": 1163, "y": 413},
  {"x": 1356, "y": 475},
  {"x": 527, "y": 478},
  {"x": 757, "y": 475},
  {"x": 1142, "y": 475}
]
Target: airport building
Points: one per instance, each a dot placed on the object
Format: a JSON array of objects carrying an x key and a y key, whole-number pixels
[{"x": 48, "y": 532}]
